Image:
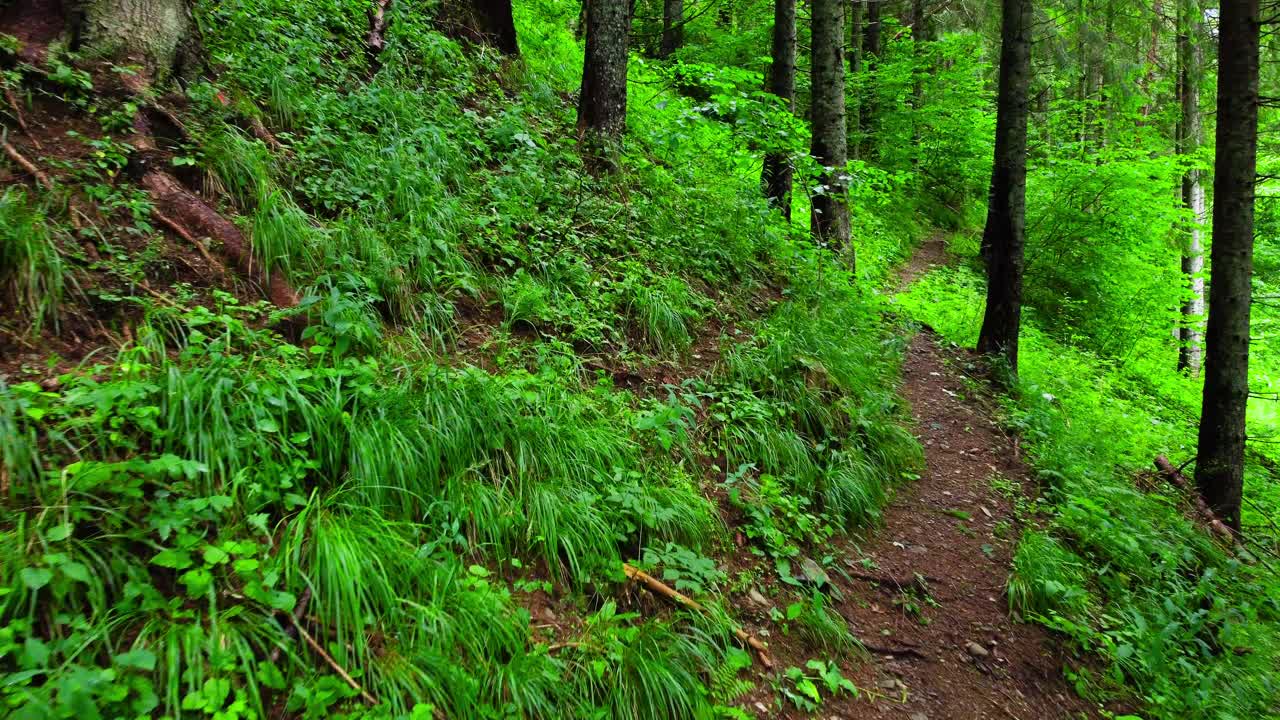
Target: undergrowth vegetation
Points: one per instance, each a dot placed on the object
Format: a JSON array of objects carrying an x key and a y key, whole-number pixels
[{"x": 218, "y": 519}]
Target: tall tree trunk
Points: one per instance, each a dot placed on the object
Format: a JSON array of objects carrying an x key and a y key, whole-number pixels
[
  {"x": 870, "y": 57},
  {"x": 1190, "y": 136},
  {"x": 782, "y": 82},
  {"x": 1004, "y": 236},
  {"x": 1220, "y": 463},
  {"x": 854, "y": 107},
  {"x": 672, "y": 27},
  {"x": 1153, "y": 55},
  {"x": 829, "y": 220},
  {"x": 919, "y": 36},
  {"x": 602, "y": 105}
]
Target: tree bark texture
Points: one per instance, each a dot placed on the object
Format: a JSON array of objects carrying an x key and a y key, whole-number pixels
[
  {"x": 1220, "y": 461},
  {"x": 602, "y": 105},
  {"x": 672, "y": 27},
  {"x": 777, "y": 173},
  {"x": 1005, "y": 234},
  {"x": 1190, "y": 135},
  {"x": 829, "y": 220},
  {"x": 498, "y": 25},
  {"x": 149, "y": 33}
]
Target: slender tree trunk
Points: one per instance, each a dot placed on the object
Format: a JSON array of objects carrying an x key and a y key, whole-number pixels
[
  {"x": 1190, "y": 136},
  {"x": 672, "y": 27},
  {"x": 1153, "y": 56},
  {"x": 854, "y": 108},
  {"x": 870, "y": 57},
  {"x": 1220, "y": 463},
  {"x": 1004, "y": 236},
  {"x": 782, "y": 82},
  {"x": 920, "y": 36},
  {"x": 829, "y": 220},
  {"x": 602, "y": 105}
]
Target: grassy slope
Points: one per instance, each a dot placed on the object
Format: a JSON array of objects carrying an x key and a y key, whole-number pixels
[{"x": 441, "y": 448}]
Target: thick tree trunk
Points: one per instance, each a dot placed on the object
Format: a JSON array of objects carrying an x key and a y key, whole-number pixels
[
  {"x": 829, "y": 220},
  {"x": 1004, "y": 236},
  {"x": 602, "y": 105},
  {"x": 870, "y": 57},
  {"x": 854, "y": 106},
  {"x": 1220, "y": 462},
  {"x": 1190, "y": 136},
  {"x": 497, "y": 25},
  {"x": 672, "y": 27},
  {"x": 148, "y": 33},
  {"x": 776, "y": 176}
]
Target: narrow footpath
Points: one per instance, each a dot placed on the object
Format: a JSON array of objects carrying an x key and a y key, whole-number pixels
[{"x": 928, "y": 594}]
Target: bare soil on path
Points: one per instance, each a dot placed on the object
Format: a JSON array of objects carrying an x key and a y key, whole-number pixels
[{"x": 928, "y": 596}]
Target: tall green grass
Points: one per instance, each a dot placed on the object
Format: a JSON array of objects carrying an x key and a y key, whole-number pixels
[{"x": 33, "y": 275}]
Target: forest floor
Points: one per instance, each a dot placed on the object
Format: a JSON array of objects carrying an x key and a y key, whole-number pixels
[{"x": 929, "y": 595}]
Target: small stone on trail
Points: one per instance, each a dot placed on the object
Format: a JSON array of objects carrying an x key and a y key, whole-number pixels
[
  {"x": 891, "y": 684},
  {"x": 976, "y": 650},
  {"x": 813, "y": 572},
  {"x": 919, "y": 716},
  {"x": 754, "y": 596}
]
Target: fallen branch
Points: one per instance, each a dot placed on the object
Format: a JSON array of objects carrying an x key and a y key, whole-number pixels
[
  {"x": 666, "y": 591},
  {"x": 292, "y": 630},
  {"x": 324, "y": 655},
  {"x": 25, "y": 164},
  {"x": 1206, "y": 513}
]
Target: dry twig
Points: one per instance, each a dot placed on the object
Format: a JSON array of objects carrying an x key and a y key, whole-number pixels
[{"x": 324, "y": 655}]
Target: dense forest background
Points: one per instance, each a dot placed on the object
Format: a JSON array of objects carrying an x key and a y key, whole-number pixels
[{"x": 357, "y": 356}]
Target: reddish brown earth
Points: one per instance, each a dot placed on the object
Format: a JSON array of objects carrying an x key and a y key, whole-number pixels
[{"x": 956, "y": 532}]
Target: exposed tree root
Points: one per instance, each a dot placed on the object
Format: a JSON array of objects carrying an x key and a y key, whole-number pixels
[
  {"x": 1174, "y": 476},
  {"x": 895, "y": 651},
  {"x": 918, "y": 582},
  {"x": 666, "y": 591},
  {"x": 182, "y": 233},
  {"x": 27, "y": 165},
  {"x": 18, "y": 118},
  {"x": 183, "y": 208}
]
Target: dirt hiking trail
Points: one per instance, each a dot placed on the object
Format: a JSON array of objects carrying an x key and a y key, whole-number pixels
[{"x": 928, "y": 597}]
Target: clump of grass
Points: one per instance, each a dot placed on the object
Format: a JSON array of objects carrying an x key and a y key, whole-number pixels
[
  {"x": 1047, "y": 576},
  {"x": 32, "y": 273},
  {"x": 526, "y": 301},
  {"x": 820, "y": 627},
  {"x": 663, "y": 311}
]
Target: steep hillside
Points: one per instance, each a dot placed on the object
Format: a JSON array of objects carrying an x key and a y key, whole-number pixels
[{"x": 330, "y": 381}]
